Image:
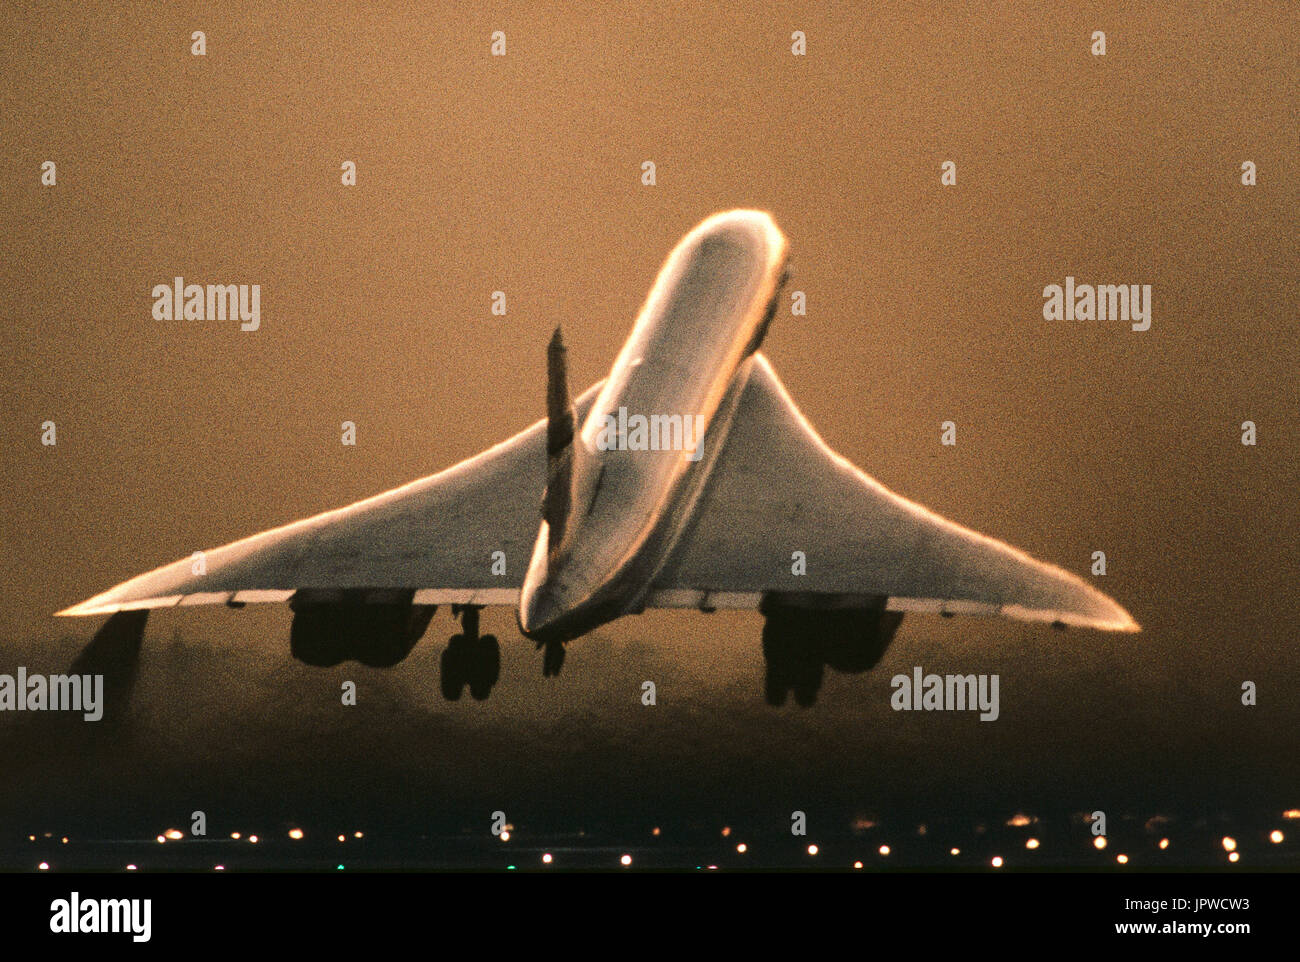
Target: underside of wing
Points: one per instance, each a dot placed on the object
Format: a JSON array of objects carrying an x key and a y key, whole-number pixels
[
  {"x": 438, "y": 536},
  {"x": 778, "y": 489}
]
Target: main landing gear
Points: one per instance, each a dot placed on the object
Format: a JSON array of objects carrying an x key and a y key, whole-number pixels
[
  {"x": 469, "y": 659},
  {"x": 800, "y": 643}
]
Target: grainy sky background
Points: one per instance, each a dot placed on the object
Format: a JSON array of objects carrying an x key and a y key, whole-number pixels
[{"x": 522, "y": 174}]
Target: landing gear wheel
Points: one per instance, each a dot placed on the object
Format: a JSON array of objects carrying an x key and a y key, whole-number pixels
[
  {"x": 805, "y": 691},
  {"x": 453, "y": 668},
  {"x": 553, "y": 659},
  {"x": 487, "y": 667},
  {"x": 806, "y": 681}
]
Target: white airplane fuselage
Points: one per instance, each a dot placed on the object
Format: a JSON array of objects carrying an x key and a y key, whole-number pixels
[{"x": 684, "y": 365}]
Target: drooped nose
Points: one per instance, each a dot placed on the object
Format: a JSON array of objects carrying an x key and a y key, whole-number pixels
[
  {"x": 539, "y": 610},
  {"x": 538, "y": 605}
]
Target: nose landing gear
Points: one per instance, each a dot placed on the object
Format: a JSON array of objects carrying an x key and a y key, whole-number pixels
[
  {"x": 470, "y": 659},
  {"x": 553, "y": 660}
]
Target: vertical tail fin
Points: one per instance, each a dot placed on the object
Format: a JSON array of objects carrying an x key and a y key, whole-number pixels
[{"x": 559, "y": 442}]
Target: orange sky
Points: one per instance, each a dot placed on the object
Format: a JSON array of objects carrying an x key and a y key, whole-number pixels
[{"x": 522, "y": 174}]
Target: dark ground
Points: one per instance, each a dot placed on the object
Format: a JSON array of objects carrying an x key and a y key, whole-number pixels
[{"x": 221, "y": 722}]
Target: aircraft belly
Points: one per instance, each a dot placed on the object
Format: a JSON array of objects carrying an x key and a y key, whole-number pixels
[{"x": 641, "y": 516}]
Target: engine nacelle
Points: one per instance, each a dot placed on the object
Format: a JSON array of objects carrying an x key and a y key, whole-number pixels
[
  {"x": 800, "y": 641},
  {"x": 374, "y": 628}
]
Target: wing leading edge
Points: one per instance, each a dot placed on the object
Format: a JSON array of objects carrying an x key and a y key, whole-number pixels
[
  {"x": 777, "y": 488},
  {"x": 436, "y": 535}
]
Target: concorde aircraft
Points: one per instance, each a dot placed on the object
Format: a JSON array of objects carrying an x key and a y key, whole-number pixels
[{"x": 686, "y": 479}]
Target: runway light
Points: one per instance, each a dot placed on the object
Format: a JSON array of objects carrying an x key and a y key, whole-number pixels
[
  {"x": 174, "y": 834},
  {"x": 1018, "y": 820},
  {"x": 44, "y": 866},
  {"x": 339, "y": 866},
  {"x": 742, "y": 848},
  {"x": 1122, "y": 859},
  {"x": 1275, "y": 836},
  {"x": 1291, "y": 813},
  {"x": 295, "y": 833},
  {"x": 857, "y": 865},
  {"x": 356, "y": 834},
  {"x": 253, "y": 839},
  {"x": 626, "y": 860},
  {"x": 997, "y": 861},
  {"x": 31, "y": 838},
  {"x": 343, "y": 838},
  {"x": 1031, "y": 843},
  {"x": 1229, "y": 843},
  {"x": 131, "y": 867},
  {"x": 546, "y": 859},
  {"x": 505, "y": 836},
  {"x": 726, "y": 830},
  {"x": 218, "y": 868},
  {"x": 1234, "y": 856},
  {"x": 1164, "y": 843},
  {"x": 161, "y": 840},
  {"x": 235, "y": 836},
  {"x": 65, "y": 840},
  {"x": 884, "y": 850},
  {"x": 1099, "y": 842},
  {"x": 655, "y": 830},
  {"x": 812, "y": 850},
  {"x": 954, "y": 851}
]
